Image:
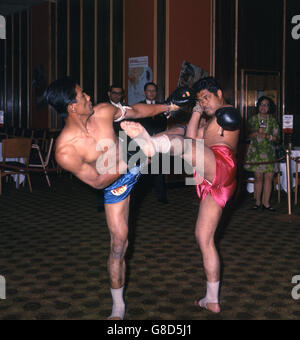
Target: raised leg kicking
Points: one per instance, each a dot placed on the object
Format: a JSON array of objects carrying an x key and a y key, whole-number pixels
[
  {"x": 220, "y": 135},
  {"x": 89, "y": 148}
]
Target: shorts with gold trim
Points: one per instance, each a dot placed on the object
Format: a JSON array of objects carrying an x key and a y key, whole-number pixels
[{"x": 121, "y": 189}]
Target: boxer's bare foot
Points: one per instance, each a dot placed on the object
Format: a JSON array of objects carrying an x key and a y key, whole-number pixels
[
  {"x": 212, "y": 307},
  {"x": 137, "y": 132}
]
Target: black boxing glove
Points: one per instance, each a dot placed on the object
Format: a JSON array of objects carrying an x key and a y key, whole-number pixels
[
  {"x": 180, "y": 97},
  {"x": 229, "y": 118}
]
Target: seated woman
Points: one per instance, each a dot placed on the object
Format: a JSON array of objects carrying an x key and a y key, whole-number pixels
[{"x": 264, "y": 132}]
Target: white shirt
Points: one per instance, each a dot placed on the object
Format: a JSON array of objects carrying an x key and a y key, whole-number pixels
[{"x": 149, "y": 102}]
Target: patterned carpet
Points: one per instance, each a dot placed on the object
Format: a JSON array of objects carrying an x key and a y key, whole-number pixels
[{"x": 54, "y": 246}]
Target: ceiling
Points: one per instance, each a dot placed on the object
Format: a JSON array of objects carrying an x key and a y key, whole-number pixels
[{"x": 8, "y": 7}]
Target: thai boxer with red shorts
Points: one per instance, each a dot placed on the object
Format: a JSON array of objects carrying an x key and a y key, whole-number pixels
[{"x": 220, "y": 134}]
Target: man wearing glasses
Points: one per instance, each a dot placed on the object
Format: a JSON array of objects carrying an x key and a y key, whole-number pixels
[{"x": 115, "y": 95}]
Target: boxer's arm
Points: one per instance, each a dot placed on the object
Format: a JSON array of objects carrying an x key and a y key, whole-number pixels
[
  {"x": 180, "y": 97},
  {"x": 139, "y": 111},
  {"x": 193, "y": 126},
  {"x": 90, "y": 176},
  {"x": 69, "y": 160},
  {"x": 200, "y": 133}
]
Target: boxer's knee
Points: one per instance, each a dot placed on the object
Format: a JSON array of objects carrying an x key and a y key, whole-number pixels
[
  {"x": 119, "y": 245},
  {"x": 206, "y": 244},
  {"x": 204, "y": 240}
]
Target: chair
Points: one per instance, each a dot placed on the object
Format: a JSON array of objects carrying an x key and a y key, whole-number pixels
[
  {"x": 39, "y": 137},
  {"x": 40, "y": 162},
  {"x": 15, "y": 148},
  {"x": 297, "y": 160}
]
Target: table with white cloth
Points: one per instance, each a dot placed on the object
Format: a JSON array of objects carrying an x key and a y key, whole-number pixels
[
  {"x": 15, "y": 177},
  {"x": 283, "y": 178}
]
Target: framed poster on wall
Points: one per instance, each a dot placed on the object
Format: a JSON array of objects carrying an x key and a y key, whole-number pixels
[{"x": 139, "y": 74}]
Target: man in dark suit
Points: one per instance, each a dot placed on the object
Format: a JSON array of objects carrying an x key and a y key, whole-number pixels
[
  {"x": 115, "y": 95},
  {"x": 153, "y": 125}
]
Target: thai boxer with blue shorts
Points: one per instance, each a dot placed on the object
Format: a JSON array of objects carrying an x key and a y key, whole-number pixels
[{"x": 77, "y": 151}]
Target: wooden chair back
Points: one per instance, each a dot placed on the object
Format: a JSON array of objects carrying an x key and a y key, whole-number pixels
[{"x": 16, "y": 148}]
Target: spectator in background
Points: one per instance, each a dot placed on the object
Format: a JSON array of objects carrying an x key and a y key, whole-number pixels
[
  {"x": 153, "y": 125},
  {"x": 263, "y": 133},
  {"x": 116, "y": 95}
]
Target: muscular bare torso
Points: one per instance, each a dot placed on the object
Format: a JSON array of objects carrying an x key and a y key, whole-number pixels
[
  {"x": 77, "y": 148},
  {"x": 212, "y": 136},
  {"x": 85, "y": 142}
]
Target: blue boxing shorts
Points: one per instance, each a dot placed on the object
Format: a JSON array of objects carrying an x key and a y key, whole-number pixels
[{"x": 121, "y": 189}]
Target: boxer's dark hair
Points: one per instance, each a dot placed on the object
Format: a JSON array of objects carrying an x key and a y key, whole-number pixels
[
  {"x": 60, "y": 94},
  {"x": 272, "y": 106},
  {"x": 209, "y": 83},
  {"x": 148, "y": 84}
]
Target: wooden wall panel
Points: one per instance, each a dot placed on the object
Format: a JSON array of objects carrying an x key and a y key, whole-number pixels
[
  {"x": 103, "y": 49},
  {"x": 53, "y": 56},
  {"x": 190, "y": 36},
  {"x": 75, "y": 40},
  {"x": 42, "y": 37},
  {"x": 9, "y": 72},
  {"x": 16, "y": 70},
  {"x": 260, "y": 34},
  {"x": 88, "y": 47},
  {"x": 139, "y": 33},
  {"x": 225, "y": 47},
  {"x": 260, "y": 38},
  {"x": 62, "y": 38},
  {"x": 117, "y": 41},
  {"x": 24, "y": 121},
  {"x": 161, "y": 48},
  {"x": 292, "y": 90},
  {"x": 53, "y": 42},
  {"x": 41, "y": 59},
  {"x": 2, "y": 75},
  {"x": 248, "y": 36}
]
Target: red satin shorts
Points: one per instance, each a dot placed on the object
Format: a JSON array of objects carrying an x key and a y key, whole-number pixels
[{"x": 223, "y": 186}]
